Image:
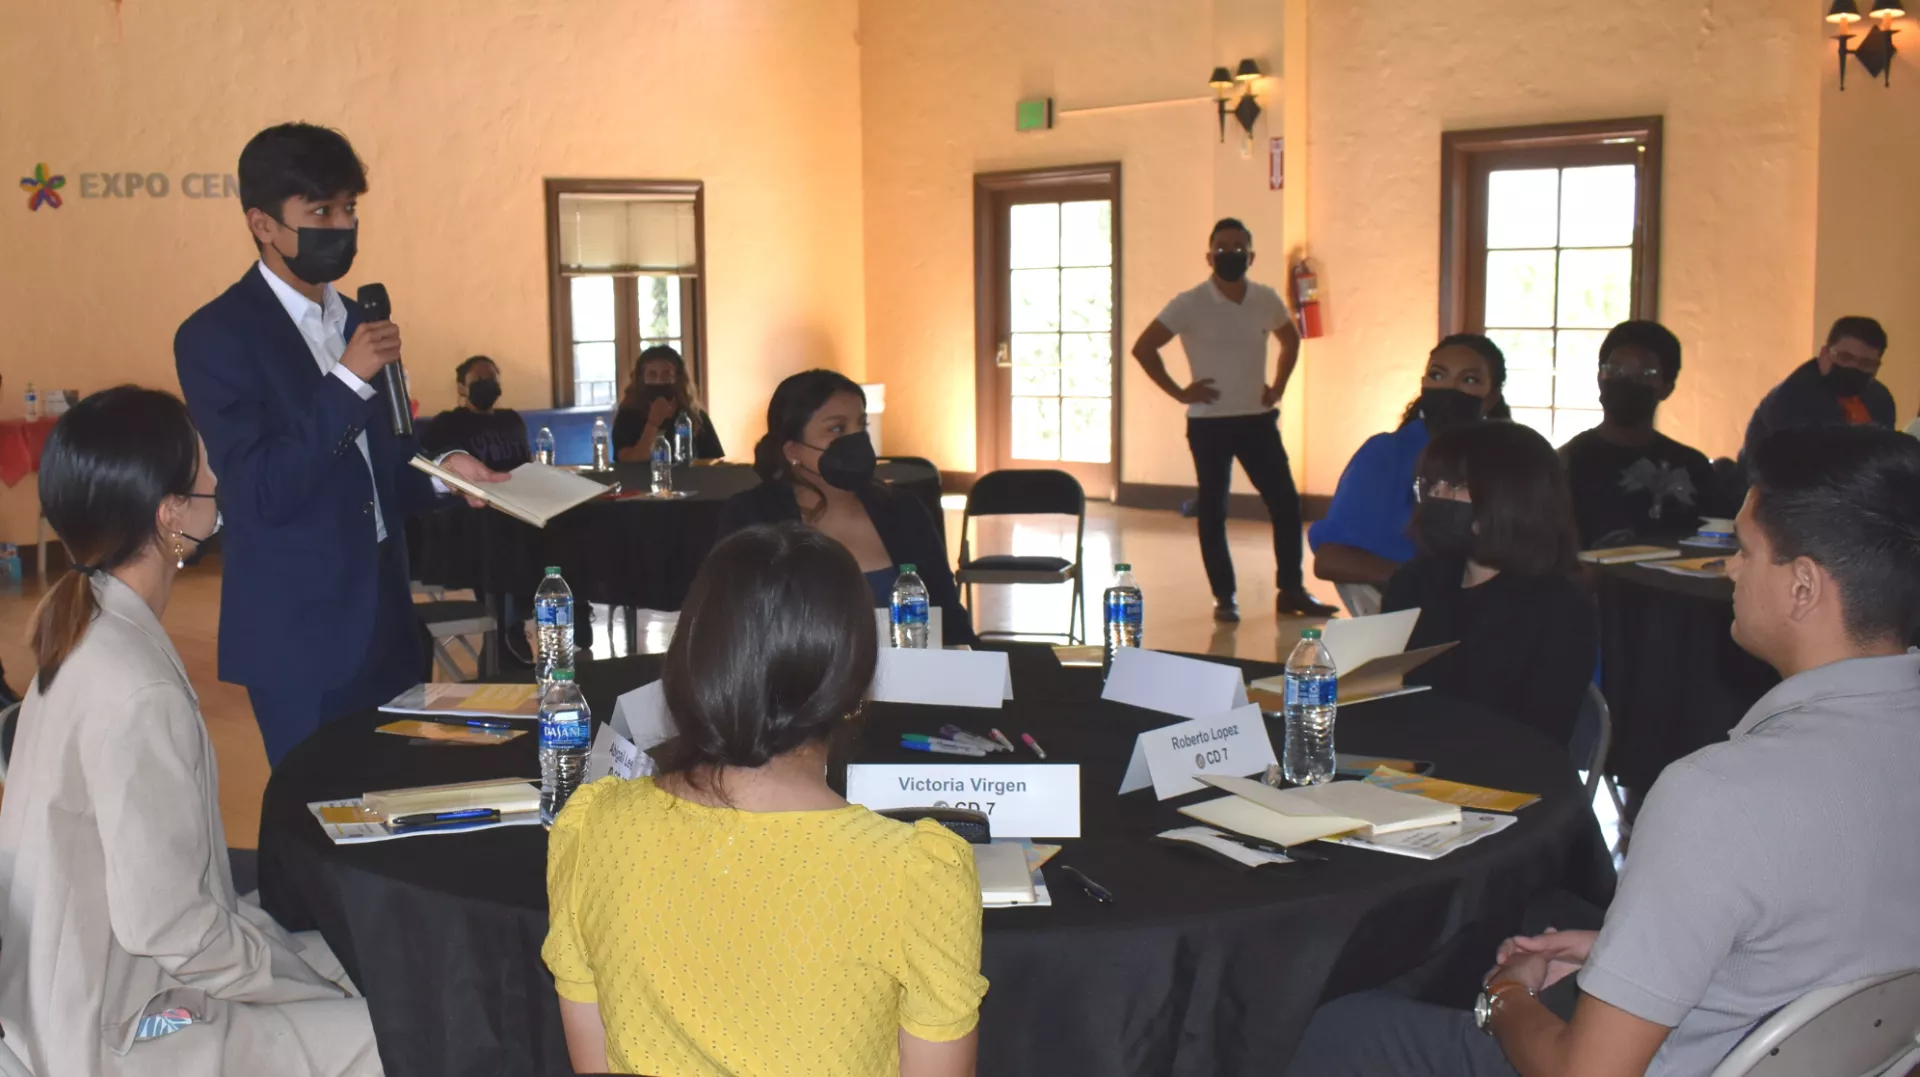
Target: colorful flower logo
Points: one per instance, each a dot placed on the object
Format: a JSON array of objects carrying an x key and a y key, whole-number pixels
[{"x": 42, "y": 189}]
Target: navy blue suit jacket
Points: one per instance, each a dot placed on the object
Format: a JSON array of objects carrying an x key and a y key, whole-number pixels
[{"x": 300, "y": 549}]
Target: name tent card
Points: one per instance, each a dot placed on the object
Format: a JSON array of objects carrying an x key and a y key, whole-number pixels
[
  {"x": 640, "y": 722},
  {"x": 942, "y": 678},
  {"x": 1186, "y": 687},
  {"x": 1170, "y": 758},
  {"x": 1020, "y": 800}
]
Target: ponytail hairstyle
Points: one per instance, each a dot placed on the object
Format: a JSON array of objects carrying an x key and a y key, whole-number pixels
[
  {"x": 1496, "y": 370},
  {"x": 775, "y": 650},
  {"x": 108, "y": 466},
  {"x": 686, "y": 395},
  {"x": 794, "y": 403}
]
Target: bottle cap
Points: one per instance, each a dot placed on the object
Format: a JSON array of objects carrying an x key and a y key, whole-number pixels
[
  {"x": 561, "y": 674},
  {"x": 553, "y": 570},
  {"x": 906, "y": 568},
  {"x": 1310, "y": 633},
  {"x": 1122, "y": 566}
]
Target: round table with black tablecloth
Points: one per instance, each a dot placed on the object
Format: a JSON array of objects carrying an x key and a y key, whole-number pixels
[
  {"x": 638, "y": 552},
  {"x": 1195, "y": 970},
  {"x": 1674, "y": 679}
]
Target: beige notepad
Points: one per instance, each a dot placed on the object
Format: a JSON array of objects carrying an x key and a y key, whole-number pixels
[
  {"x": 1005, "y": 878},
  {"x": 1626, "y": 555},
  {"x": 1291, "y": 816},
  {"x": 532, "y": 492},
  {"x": 507, "y": 794}
]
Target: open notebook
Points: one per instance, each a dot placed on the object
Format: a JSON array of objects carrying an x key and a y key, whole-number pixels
[
  {"x": 1310, "y": 812},
  {"x": 533, "y": 492},
  {"x": 1371, "y": 656}
]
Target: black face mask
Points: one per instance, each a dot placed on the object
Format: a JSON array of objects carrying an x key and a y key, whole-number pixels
[
  {"x": 1846, "y": 380},
  {"x": 1629, "y": 403},
  {"x": 483, "y": 392},
  {"x": 848, "y": 461},
  {"x": 1445, "y": 528},
  {"x": 323, "y": 255},
  {"x": 651, "y": 393},
  {"x": 200, "y": 544},
  {"x": 1230, "y": 266},
  {"x": 1446, "y": 409}
]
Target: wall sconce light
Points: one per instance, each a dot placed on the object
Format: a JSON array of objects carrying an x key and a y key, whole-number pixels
[
  {"x": 1246, "y": 110},
  {"x": 1875, "y": 52}
]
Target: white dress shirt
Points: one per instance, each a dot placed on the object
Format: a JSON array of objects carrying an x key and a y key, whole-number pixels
[{"x": 324, "y": 328}]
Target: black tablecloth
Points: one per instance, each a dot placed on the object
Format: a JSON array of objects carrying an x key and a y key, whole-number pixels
[
  {"x": 1196, "y": 970},
  {"x": 1673, "y": 676},
  {"x": 637, "y": 552}
]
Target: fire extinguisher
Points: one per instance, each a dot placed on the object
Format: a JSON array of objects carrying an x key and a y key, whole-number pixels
[{"x": 1306, "y": 298}]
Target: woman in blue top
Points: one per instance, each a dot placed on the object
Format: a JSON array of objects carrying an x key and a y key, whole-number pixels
[{"x": 1364, "y": 536}]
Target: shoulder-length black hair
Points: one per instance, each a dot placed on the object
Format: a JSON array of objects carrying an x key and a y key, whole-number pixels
[
  {"x": 1522, "y": 510},
  {"x": 788, "y": 413},
  {"x": 109, "y": 463},
  {"x": 775, "y": 648}
]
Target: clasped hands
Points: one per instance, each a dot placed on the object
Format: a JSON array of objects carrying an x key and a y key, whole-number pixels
[{"x": 1539, "y": 961}]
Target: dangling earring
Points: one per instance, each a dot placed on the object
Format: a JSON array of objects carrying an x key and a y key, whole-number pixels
[{"x": 179, "y": 550}]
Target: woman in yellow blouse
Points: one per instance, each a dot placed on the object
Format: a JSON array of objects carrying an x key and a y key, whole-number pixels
[{"x": 733, "y": 915}]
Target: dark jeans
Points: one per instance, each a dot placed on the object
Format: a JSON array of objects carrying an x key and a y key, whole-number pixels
[
  {"x": 1254, "y": 440},
  {"x": 1373, "y": 1033},
  {"x": 392, "y": 663}
]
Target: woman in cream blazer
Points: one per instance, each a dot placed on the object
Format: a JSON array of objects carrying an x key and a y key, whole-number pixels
[{"x": 123, "y": 949}]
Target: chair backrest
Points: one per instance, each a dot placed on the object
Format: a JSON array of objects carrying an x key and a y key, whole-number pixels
[
  {"x": 1024, "y": 492},
  {"x": 1861, "y": 1029}
]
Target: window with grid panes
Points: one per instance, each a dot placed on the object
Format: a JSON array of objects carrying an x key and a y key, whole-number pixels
[{"x": 1551, "y": 245}]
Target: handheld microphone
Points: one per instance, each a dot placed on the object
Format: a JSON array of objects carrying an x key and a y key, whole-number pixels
[{"x": 375, "y": 306}]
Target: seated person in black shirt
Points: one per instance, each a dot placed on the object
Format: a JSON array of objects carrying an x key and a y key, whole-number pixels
[
  {"x": 497, "y": 437},
  {"x": 659, "y": 392},
  {"x": 816, "y": 464},
  {"x": 1496, "y": 575},
  {"x": 1633, "y": 485},
  {"x": 1837, "y": 387}
]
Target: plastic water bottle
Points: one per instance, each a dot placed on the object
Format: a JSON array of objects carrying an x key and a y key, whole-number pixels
[
  {"x": 566, "y": 727},
  {"x": 662, "y": 466},
  {"x": 33, "y": 402},
  {"x": 553, "y": 628},
  {"x": 910, "y": 616},
  {"x": 602, "y": 446},
  {"x": 683, "y": 438},
  {"x": 543, "y": 446},
  {"x": 1124, "y": 613},
  {"x": 1313, "y": 698}
]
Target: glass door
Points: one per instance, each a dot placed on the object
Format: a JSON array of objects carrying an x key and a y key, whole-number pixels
[{"x": 1047, "y": 396}]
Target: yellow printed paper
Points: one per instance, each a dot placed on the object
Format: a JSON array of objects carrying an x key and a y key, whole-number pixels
[
  {"x": 1467, "y": 796},
  {"x": 494, "y": 698},
  {"x": 346, "y": 814}
]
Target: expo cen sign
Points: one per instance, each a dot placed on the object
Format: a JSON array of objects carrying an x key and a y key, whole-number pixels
[{"x": 45, "y": 187}]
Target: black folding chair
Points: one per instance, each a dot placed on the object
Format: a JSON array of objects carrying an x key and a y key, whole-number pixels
[{"x": 1026, "y": 493}]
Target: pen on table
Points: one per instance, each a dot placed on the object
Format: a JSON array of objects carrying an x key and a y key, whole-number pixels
[
  {"x": 1002, "y": 738},
  {"x": 1297, "y": 852},
  {"x": 1094, "y": 890},
  {"x": 1027, "y": 739},
  {"x": 928, "y": 744},
  {"x": 476, "y": 723},
  {"x": 960, "y": 736},
  {"x": 465, "y": 816}
]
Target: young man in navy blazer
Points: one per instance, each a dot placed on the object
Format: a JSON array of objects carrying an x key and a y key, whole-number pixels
[{"x": 283, "y": 380}]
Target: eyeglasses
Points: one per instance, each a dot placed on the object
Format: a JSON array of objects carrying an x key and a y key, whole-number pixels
[
  {"x": 1643, "y": 375},
  {"x": 1431, "y": 489}
]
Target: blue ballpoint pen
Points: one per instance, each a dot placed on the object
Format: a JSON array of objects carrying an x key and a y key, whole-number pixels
[
  {"x": 463, "y": 817},
  {"x": 476, "y": 723}
]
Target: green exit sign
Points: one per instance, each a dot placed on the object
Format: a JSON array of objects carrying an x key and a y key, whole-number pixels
[{"x": 1034, "y": 115}]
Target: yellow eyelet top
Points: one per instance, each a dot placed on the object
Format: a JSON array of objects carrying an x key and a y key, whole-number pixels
[{"x": 724, "y": 942}]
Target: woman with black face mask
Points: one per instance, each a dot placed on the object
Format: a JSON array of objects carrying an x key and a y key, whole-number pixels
[
  {"x": 495, "y": 436},
  {"x": 816, "y": 464},
  {"x": 1364, "y": 536},
  {"x": 1495, "y": 575},
  {"x": 659, "y": 392}
]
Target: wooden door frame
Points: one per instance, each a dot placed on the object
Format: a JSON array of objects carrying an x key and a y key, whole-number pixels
[{"x": 986, "y": 261}]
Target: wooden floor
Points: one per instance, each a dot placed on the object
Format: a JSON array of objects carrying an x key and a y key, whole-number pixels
[{"x": 1160, "y": 545}]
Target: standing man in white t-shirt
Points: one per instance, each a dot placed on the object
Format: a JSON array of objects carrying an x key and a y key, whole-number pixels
[{"x": 1232, "y": 411}]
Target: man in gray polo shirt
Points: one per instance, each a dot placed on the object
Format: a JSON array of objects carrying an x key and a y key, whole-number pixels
[{"x": 1762, "y": 868}]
